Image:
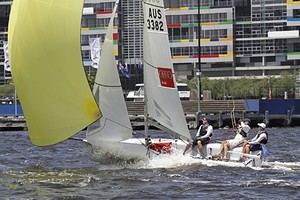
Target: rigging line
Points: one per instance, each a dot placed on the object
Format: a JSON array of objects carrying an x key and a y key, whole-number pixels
[
  {"x": 173, "y": 134},
  {"x": 232, "y": 115},
  {"x": 107, "y": 119},
  {"x": 192, "y": 146},
  {"x": 231, "y": 131},
  {"x": 102, "y": 85},
  {"x": 150, "y": 65},
  {"x": 153, "y": 5},
  {"x": 186, "y": 142},
  {"x": 154, "y": 66},
  {"x": 148, "y": 148},
  {"x": 218, "y": 140}
]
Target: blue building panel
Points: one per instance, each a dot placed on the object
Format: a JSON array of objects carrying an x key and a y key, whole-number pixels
[
  {"x": 252, "y": 105},
  {"x": 279, "y": 106},
  {"x": 11, "y": 109}
]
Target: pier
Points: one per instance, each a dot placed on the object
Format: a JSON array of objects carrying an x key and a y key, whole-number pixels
[
  {"x": 221, "y": 112},
  {"x": 275, "y": 113}
]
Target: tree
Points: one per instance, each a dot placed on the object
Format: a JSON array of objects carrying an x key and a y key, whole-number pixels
[
  {"x": 7, "y": 90},
  {"x": 248, "y": 87}
]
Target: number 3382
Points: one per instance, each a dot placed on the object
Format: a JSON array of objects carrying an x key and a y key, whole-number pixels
[{"x": 155, "y": 25}]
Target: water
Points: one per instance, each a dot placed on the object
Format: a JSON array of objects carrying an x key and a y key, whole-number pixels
[{"x": 64, "y": 171}]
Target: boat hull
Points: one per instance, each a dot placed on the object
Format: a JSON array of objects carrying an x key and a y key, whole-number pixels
[
  {"x": 234, "y": 155},
  {"x": 133, "y": 149}
]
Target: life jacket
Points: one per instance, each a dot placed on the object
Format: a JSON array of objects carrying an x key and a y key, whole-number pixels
[
  {"x": 242, "y": 132},
  {"x": 162, "y": 147},
  {"x": 265, "y": 140},
  {"x": 203, "y": 130}
]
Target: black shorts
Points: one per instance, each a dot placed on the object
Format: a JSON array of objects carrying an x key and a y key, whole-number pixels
[
  {"x": 255, "y": 147},
  {"x": 203, "y": 141}
]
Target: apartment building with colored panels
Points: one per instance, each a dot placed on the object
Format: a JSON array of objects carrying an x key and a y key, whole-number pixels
[
  {"x": 264, "y": 37},
  {"x": 293, "y": 20},
  {"x": 95, "y": 19},
  {"x": 238, "y": 37},
  {"x": 241, "y": 37},
  {"x": 216, "y": 36}
]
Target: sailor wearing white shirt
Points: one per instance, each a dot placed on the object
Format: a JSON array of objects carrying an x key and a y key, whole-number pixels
[
  {"x": 203, "y": 136},
  {"x": 241, "y": 133},
  {"x": 255, "y": 143}
]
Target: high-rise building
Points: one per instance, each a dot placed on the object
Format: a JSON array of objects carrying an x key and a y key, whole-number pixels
[
  {"x": 241, "y": 37},
  {"x": 238, "y": 37}
]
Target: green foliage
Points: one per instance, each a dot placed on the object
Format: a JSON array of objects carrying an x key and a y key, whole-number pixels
[
  {"x": 7, "y": 90},
  {"x": 248, "y": 87},
  {"x": 91, "y": 79}
]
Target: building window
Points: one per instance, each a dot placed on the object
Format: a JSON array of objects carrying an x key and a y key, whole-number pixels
[
  {"x": 270, "y": 58},
  {"x": 296, "y": 47},
  {"x": 296, "y": 13},
  {"x": 255, "y": 59}
]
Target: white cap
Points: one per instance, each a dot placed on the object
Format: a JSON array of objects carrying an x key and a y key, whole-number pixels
[{"x": 263, "y": 125}]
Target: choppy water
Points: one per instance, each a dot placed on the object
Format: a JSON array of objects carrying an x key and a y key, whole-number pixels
[{"x": 64, "y": 171}]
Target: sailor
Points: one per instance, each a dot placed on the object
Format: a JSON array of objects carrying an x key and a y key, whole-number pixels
[
  {"x": 241, "y": 133},
  {"x": 148, "y": 141},
  {"x": 202, "y": 137},
  {"x": 255, "y": 143}
]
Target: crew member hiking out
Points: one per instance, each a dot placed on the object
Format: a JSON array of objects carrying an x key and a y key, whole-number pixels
[{"x": 203, "y": 137}]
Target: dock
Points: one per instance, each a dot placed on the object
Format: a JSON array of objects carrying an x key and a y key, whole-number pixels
[
  {"x": 12, "y": 122},
  {"x": 275, "y": 113},
  {"x": 222, "y": 112}
]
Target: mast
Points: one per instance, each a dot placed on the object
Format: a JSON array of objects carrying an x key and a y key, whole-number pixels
[
  {"x": 146, "y": 125},
  {"x": 198, "y": 73}
]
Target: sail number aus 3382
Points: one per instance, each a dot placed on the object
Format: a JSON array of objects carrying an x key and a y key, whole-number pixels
[{"x": 154, "y": 21}]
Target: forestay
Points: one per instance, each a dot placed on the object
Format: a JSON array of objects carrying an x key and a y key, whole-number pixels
[
  {"x": 161, "y": 93},
  {"x": 115, "y": 125},
  {"x": 45, "y": 53}
]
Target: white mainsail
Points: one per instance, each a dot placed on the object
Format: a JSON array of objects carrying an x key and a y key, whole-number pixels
[
  {"x": 161, "y": 95},
  {"x": 115, "y": 125}
]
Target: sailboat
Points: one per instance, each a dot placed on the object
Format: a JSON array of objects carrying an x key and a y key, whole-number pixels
[
  {"x": 111, "y": 136},
  {"x": 56, "y": 99},
  {"x": 52, "y": 87}
]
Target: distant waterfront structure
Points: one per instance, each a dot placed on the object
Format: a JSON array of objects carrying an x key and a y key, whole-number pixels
[{"x": 238, "y": 37}]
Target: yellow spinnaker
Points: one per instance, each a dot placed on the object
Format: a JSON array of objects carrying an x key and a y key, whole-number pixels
[{"x": 45, "y": 55}]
